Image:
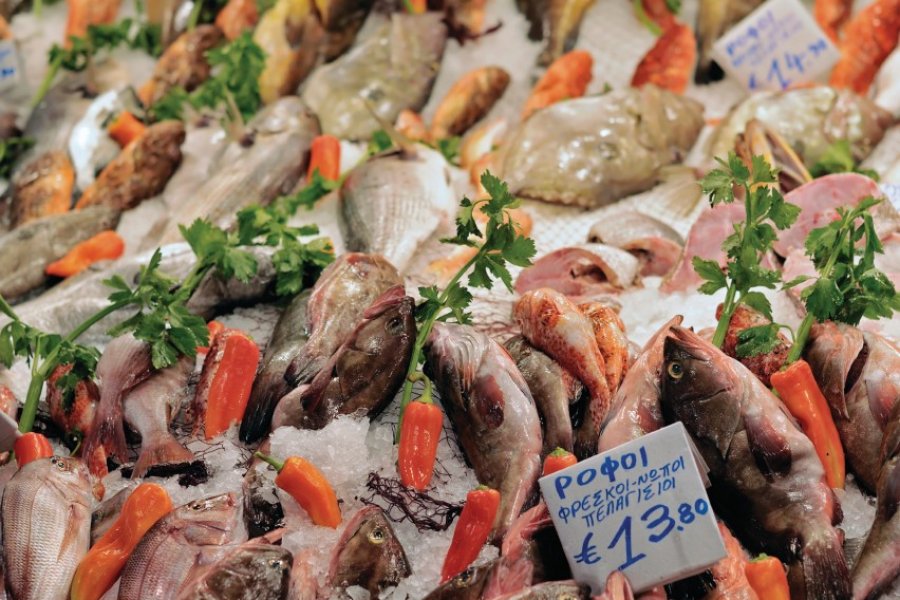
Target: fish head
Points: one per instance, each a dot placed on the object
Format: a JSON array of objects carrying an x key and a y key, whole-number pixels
[
  {"x": 391, "y": 322},
  {"x": 468, "y": 585},
  {"x": 64, "y": 471},
  {"x": 369, "y": 553},
  {"x": 209, "y": 521},
  {"x": 263, "y": 568},
  {"x": 836, "y": 354}
]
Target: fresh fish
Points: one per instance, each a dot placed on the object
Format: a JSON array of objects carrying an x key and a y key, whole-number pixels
[
  {"x": 553, "y": 388},
  {"x": 468, "y": 585},
  {"x": 281, "y": 135},
  {"x": 106, "y": 513},
  {"x": 859, "y": 374},
  {"x": 656, "y": 245},
  {"x": 262, "y": 509},
  {"x": 393, "y": 203},
  {"x": 368, "y": 554},
  {"x": 149, "y": 409},
  {"x": 179, "y": 542},
  {"x": 584, "y": 271},
  {"x": 291, "y": 35},
  {"x": 253, "y": 571},
  {"x": 215, "y": 294},
  {"x": 767, "y": 478},
  {"x": 492, "y": 412},
  {"x": 26, "y": 251},
  {"x": 714, "y": 18},
  {"x": 72, "y": 411},
  {"x": 532, "y": 550},
  {"x": 183, "y": 64},
  {"x": 391, "y": 70},
  {"x": 551, "y": 323},
  {"x": 468, "y": 101},
  {"x": 42, "y": 188},
  {"x": 592, "y": 151},
  {"x": 553, "y": 590},
  {"x": 609, "y": 331},
  {"x": 46, "y": 514},
  {"x": 809, "y": 119},
  {"x": 563, "y": 21},
  {"x": 364, "y": 374}
]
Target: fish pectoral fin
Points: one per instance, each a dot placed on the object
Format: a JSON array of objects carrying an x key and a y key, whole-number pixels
[
  {"x": 489, "y": 401},
  {"x": 73, "y": 523},
  {"x": 769, "y": 448}
]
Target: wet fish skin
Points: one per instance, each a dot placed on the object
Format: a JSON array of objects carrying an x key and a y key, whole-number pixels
[
  {"x": 46, "y": 518},
  {"x": 714, "y": 18},
  {"x": 262, "y": 509},
  {"x": 368, "y": 554},
  {"x": 656, "y": 245},
  {"x": 767, "y": 478},
  {"x": 253, "y": 571},
  {"x": 26, "y": 251},
  {"x": 470, "y": 99},
  {"x": 174, "y": 546},
  {"x": 563, "y": 19},
  {"x": 393, "y": 203},
  {"x": 582, "y": 271},
  {"x": 396, "y": 67},
  {"x": 492, "y": 412},
  {"x": 43, "y": 187},
  {"x": 215, "y": 294},
  {"x": 183, "y": 63}
]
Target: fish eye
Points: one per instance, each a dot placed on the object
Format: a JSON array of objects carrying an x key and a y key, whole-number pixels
[
  {"x": 60, "y": 464},
  {"x": 566, "y": 596},
  {"x": 464, "y": 579},
  {"x": 195, "y": 505},
  {"x": 276, "y": 563},
  {"x": 675, "y": 370},
  {"x": 377, "y": 536},
  {"x": 394, "y": 326}
]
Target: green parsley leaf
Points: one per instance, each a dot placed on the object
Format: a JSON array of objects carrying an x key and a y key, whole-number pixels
[
  {"x": 711, "y": 272},
  {"x": 760, "y": 339},
  {"x": 758, "y": 302},
  {"x": 10, "y": 151},
  {"x": 380, "y": 142},
  {"x": 449, "y": 147}
]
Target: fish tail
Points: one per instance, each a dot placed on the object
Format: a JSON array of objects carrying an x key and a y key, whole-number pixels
[
  {"x": 821, "y": 572},
  {"x": 162, "y": 450},
  {"x": 267, "y": 390},
  {"x": 107, "y": 433}
]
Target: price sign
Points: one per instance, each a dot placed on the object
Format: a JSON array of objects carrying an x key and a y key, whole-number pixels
[
  {"x": 640, "y": 508},
  {"x": 9, "y": 64},
  {"x": 777, "y": 46}
]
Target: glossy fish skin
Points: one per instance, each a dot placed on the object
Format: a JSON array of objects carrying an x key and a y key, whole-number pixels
[
  {"x": 563, "y": 20},
  {"x": 492, "y": 412},
  {"x": 767, "y": 479},
  {"x": 470, "y": 99},
  {"x": 582, "y": 271},
  {"x": 43, "y": 187},
  {"x": 254, "y": 571},
  {"x": 395, "y": 68},
  {"x": 46, "y": 515},
  {"x": 262, "y": 509},
  {"x": 393, "y": 203},
  {"x": 183, "y": 63},
  {"x": 175, "y": 545},
  {"x": 26, "y": 251},
  {"x": 633, "y": 133},
  {"x": 291, "y": 36},
  {"x": 713, "y": 20},
  {"x": 656, "y": 245},
  {"x": 368, "y": 554},
  {"x": 365, "y": 373}
]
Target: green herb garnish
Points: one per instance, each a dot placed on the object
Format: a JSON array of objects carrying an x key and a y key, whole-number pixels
[
  {"x": 10, "y": 151},
  {"x": 838, "y": 158}
]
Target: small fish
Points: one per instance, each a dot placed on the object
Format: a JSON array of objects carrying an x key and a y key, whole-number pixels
[
  {"x": 150, "y": 407},
  {"x": 253, "y": 571},
  {"x": 492, "y": 412},
  {"x": 215, "y": 294},
  {"x": 262, "y": 508},
  {"x": 563, "y": 21},
  {"x": 581, "y": 271},
  {"x": 365, "y": 372},
  {"x": 656, "y": 245},
  {"x": 46, "y": 515},
  {"x": 394, "y": 69},
  {"x": 183, "y": 64},
  {"x": 468, "y": 585},
  {"x": 470, "y": 99},
  {"x": 26, "y": 251},
  {"x": 173, "y": 548},
  {"x": 625, "y": 137},
  {"x": 42, "y": 188},
  {"x": 767, "y": 479},
  {"x": 714, "y": 18}
]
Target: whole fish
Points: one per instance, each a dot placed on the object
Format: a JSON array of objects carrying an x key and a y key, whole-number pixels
[
  {"x": 592, "y": 151},
  {"x": 27, "y": 250},
  {"x": 46, "y": 515},
  {"x": 714, "y": 18},
  {"x": 551, "y": 323},
  {"x": 767, "y": 479},
  {"x": 183, "y": 64},
  {"x": 368, "y": 554},
  {"x": 392, "y": 69},
  {"x": 393, "y": 203},
  {"x": 365, "y": 373},
  {"x": 492, "y": 412},
  {"x": 149, "y": 409},
  {"x": 656, "y": 245},
  {"x": 42, "y": 188},
  {"x": 588, "y": 270},
  {"x": 253, "y": 571},
  {"x": 553, "y": 388},
  {"x": 168, "y": 553},
  {"x": 859, "y": 374}
]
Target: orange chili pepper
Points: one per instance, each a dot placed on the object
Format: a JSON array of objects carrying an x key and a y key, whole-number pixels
[
  {"x": 417, "y": 7},
  {"x": 237, "y": 17},
  {"x": 101, "y": 566},
  {"x": 106, "y": 245},
  {"x": 567, "y": 77},
  {"x": 215, "y": 328},
  {"x": 325, "y": 156},
  {"x": 125, "y": 128},
  {"x": 472, "y": 530},
  {"x": 420, "y": 433},
  {"x": 767, "y": 577},
  {"x": 83, "y": 13},
  {"x": 306, "y": 484},
  {"x": 226, "y": 381},
  {"x": 800, "y": 393},
  {"x": 558, "y": 460},
  {"x": 30, "y": 447}
]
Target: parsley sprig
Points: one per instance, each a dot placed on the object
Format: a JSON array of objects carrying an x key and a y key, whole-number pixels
[
  {"x": 498, "y": 244},
  {"x": 10, "y": 151},
  {"x": 765, "y": 211},
  {"x": 838, "y": 158}
]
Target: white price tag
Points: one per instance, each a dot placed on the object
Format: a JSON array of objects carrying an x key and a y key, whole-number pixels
[
  {"x": 9, "y": 64},
  {"x": 640, "y": 508},
  {"x": 777, "y": 46}
]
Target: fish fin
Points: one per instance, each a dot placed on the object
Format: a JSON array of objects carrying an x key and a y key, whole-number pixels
[
  {"x": 821, "y": 572},
  {"x": 489, "y": 401},
  {"x": 889, "y": 490},
  {"x": 853, "y": 549},
  {"x": 73, "y": 525},
  {"x": 164, "y": 450},
  {"x": 769, "y": 448},
  {"x": 302, "y": 369},
  {"x": 108, "y": 433}
]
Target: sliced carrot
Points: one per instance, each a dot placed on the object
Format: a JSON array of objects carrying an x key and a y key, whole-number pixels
[
  {"x": 237, "y": 17},
  {"x": 106, "y": 245},
  {"x": 226, "y": 381},
  {"x": 567, "y": 77},
  {"x": 125, "y": 128},
  {"x": 215, "y": 328},
  {"x": 325, "y": 156}
]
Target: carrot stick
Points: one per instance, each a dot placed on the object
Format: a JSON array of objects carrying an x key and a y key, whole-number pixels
[
  {"x": 325, "y": 157},
  {"x": 226, "y": 380},
  {"x": 567, "y": 77},
  {"x": 125, "y": 128},
  {"x": 106, "y": 245}
]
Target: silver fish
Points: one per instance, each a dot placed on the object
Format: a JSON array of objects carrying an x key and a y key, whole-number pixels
[
  {"x": 714, "y": 18},
  {"x": 492, "y": 412},
  {"x": 46, "y": 514},
  {"x": 655, "y": 244},
  {"x": 392, "y": 69},
  {"x": 592, "y": 151},
  {"x": 253, "y": 571},
  {"x": 393, "y": 203}
]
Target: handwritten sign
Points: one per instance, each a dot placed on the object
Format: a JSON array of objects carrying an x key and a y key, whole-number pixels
[
  {"x": 9, "y": 64},
  {"x": 640, "y": 508},
  {"x": 777, "y": 46}
]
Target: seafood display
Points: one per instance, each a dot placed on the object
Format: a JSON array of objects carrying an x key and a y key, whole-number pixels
[{"x": 319, "y": 299}]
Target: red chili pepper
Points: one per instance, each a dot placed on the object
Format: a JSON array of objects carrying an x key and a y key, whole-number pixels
[
  {"x": 325, "y": 156},
  {"x": 472, "y": 530},
  {"x": 419, "y": 437},
  {"x": 306, "y": 484},
  {"x": 558, "y": 460},
  {"x": 30, "y": 447},
  {"x": 215, "y": 328}
]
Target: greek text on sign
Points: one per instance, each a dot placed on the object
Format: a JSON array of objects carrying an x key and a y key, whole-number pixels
[
  {"x": 9, "y": 64},
  {"x": 777, "y": 46},
  {"x": 640, "y": 508}
]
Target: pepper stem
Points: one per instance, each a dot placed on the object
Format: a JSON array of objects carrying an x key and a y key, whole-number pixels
[
  {"x": 426, "y": 397},
  {"x": 277, "y": 464}
]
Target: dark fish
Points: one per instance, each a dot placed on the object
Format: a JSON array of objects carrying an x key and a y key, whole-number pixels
[
  {"x": 563, "y": 22},
  {"x": 656, "y": 245},
  {"x": 42, "y": 188},
  {"x": 216, "y": 294},
  {"x": 183, "y": 64},
  {"x": 262, "y": 508},
  {"x": 254, "y": 571},
  {"x": 468, "y": 585},
  {"x": 767, "y": 479},
  {"x": 365, "y": 373},
  {"x": 492, "y": 412},
  {"x": 368, "y": 554}
]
